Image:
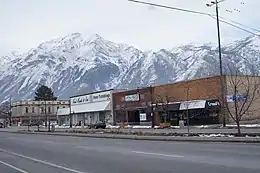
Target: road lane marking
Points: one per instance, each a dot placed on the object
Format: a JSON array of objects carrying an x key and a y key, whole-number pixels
[
  {"x": 158, "y": 154},
  {"x": 13, "y": 167},
  {"x": 41, "y": 161}
]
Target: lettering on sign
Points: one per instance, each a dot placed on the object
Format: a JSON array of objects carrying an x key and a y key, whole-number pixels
[
  {"x": 216, "y": 103},
  {"x": 80, "y": 100},
  {"x": 101, "y": 97},
  {"x": 131, "y": 98}
]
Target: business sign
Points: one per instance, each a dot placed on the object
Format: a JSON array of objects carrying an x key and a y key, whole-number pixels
[
  {"x": 212, "y": 103},
  {"x": 80, "y": 100},
  {"x": 142, "y": 116},
  {"x": 99, "y": 97},
  {"x": 238, "y": 98},
  {"x": 194, "y": 104},
  {"x": 131, "y": 98}
]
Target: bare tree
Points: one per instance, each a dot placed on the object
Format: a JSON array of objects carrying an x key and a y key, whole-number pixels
[
  {"x": 163, "y": 100},
  {"x": 243, "y": 90}
]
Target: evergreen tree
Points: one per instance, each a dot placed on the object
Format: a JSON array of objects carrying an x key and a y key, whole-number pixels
[{"x": 44, "y": 93}]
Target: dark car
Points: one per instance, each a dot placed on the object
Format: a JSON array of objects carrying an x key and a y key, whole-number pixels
[{"x": 98, "y": 125}]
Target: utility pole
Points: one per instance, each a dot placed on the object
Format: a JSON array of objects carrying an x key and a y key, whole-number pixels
[
  {"x": 187, "y": 108},
  {"x": 222, "y": 89},
  {"x": 70, "y": 115},
  {"x": 152, "y": 113},
  {"x": 10, "y": 111}
]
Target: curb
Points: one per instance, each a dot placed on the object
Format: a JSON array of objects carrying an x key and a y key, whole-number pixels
[{"x": 151, "y": 138}]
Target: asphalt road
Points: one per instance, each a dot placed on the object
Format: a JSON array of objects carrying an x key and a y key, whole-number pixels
[{"x": 29, "y": 153}]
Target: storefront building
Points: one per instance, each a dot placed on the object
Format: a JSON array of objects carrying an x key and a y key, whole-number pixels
[
  {"x": 170, "y": 103},
  {"x": 63, "y": 116},
  {"x": 92, "y": 108},
  {"x": 132, "y": 107},
  {"x": 194, "y": 101},
  {"x": 29, "y": 111}
]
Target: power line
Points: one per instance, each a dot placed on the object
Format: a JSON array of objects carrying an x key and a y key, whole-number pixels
[
  {"x": 168, "y": 7},
  {"x": 201, "y": 13},
  {"x": 235, "y": 26},
  {"x": 240, "y": 24}
]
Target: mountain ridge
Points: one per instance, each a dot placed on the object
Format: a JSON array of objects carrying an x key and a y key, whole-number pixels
[{"x": 75, "y": 63}]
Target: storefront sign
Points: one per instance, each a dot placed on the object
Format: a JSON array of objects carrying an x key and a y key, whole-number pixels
[
  {"x": 194, "y": 104},
  {"x": 212, "y": 103},
  {"x": 80, "y": 100},
  {"x": 131, "y": 98},
  {"x": 142, "y": 116},
  {"x": 104, "y": 96},
  {"x": 238, "y": 98}
]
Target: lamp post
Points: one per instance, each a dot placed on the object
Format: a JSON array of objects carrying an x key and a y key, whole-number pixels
[{"x": 220, "y": 61}]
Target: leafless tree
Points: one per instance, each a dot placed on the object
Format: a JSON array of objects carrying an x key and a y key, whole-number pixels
[
  {"x": 243, "y": 92},
  {"x": 163, "y": 100}
]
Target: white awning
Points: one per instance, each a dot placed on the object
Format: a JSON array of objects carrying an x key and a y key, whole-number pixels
[
  {"x": 193, "y": 104},
  {"x": 91, "y": 107},
  {"x": 63, "y": 111}
]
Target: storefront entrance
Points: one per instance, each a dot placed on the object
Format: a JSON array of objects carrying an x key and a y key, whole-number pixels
[{"x": 133, "y": 117}]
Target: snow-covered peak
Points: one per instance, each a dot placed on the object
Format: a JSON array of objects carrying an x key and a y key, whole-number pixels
[{"x": 75, "y": 61}]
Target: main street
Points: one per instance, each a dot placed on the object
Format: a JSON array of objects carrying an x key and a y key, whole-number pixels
[{"x": 31, "y": 153}]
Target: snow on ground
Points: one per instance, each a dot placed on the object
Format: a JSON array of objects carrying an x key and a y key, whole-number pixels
[
  {"x": 216, "y": 135},
  {"x": 244, "y": 125}
]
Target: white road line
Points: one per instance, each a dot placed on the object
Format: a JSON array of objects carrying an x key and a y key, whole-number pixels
[
  {"x": 158, "y": 154},
  {"x": 13, "y": 167},
  {"x": 41, "y": 161}
]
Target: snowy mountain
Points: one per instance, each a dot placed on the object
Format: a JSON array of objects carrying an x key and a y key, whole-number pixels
[{"x": 75, "y": 64}]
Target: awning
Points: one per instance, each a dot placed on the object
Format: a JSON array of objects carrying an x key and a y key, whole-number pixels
[
  {"x": 63, "y": 111},
  {"x": 193, "y": 104},
  {"x": 169, "y": 107},
  {"x": 91, "y": 107}
]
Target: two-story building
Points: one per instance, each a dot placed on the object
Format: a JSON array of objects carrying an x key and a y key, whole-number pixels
[{"x": 29, "y": 111}]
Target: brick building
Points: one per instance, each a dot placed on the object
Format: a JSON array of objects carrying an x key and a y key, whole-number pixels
[
  {"x": 199, "y": 98},
  {"x": 132, "y": 106}
]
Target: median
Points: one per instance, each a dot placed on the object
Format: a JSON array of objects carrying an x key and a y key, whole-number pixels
[{"x": 151, "y": 134}]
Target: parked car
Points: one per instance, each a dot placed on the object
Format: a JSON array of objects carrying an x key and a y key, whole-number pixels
[{"x": 98, "y": 125}]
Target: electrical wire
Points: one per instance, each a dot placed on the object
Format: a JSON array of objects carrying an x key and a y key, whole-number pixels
[
  {"x": 226, "y": 21},
  {"x": 246, "y": 30}
]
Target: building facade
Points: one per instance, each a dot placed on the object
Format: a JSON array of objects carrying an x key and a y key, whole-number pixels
[
  {"x": 243, "y": 94},
  {"x": 63, "y": 116},
  {"x": 132, "y": 106},
  {"x": 197, "y": 101},
  {"x": 29, "y": 111},
  {"x": 92, "y": 108}
]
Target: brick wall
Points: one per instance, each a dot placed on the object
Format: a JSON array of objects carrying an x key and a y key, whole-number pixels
[
  {"x": 205, "y": 88},
  {"x": 243, "y": 84}
]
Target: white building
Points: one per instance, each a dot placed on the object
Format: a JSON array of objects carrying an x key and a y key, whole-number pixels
[
  {"x": 92, "y": 107},
  {"x": 63, "y": 116},
  {"x": 28, "y": 111}
]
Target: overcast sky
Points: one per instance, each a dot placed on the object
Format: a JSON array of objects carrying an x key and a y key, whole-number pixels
[{"x": 26, "y": 23}]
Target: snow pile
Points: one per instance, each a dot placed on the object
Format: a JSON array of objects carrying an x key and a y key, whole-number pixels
[
  {"x": 112, "y": 127},
  {"x": 245, "y": 125},
  {"x": 215, "y": 135},
  {"x": 141, "y": 127}
]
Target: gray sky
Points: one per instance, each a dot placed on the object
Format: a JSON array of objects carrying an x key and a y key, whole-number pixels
[{"x": 26, "y": 23}]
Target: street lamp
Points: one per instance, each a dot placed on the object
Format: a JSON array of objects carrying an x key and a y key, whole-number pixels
[{"x": 220, "y": 60}]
